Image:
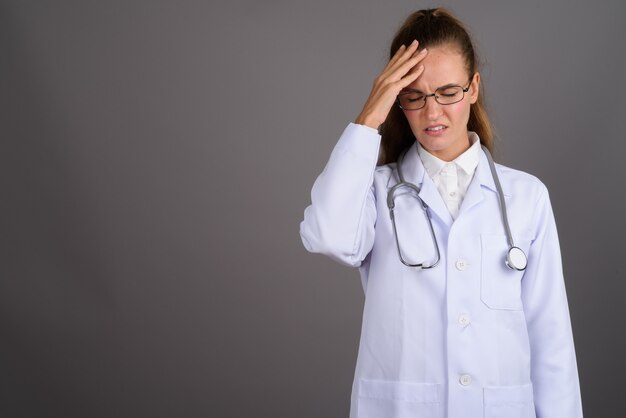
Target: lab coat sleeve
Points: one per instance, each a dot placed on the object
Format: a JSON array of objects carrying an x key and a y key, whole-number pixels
[
  {"x": 340, "y": 220},
  {"x": 554, "y": 371}
]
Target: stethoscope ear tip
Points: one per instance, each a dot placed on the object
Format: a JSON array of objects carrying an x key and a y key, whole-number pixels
[{"x": 516, "y": 259}]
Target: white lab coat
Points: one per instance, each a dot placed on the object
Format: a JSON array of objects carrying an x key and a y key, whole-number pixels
[{"x": 468, "y": 338}]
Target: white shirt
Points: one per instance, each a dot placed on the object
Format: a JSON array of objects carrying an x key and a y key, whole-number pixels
[
  {"x": 453, "y": 341},
  {"x": 452, "y": 178}
]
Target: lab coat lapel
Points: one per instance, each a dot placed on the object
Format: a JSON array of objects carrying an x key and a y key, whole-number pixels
[
  {"x": 473, "y": 196},
  {"x": 414, "y": 172},
  {"x": 482, "y": 178}
]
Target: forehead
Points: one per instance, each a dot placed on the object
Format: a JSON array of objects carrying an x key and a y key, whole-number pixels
[{"x": 442, "y": 65}]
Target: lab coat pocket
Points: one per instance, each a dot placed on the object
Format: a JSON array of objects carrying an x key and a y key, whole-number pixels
[
  {"x": 393, "y": 399},
  {"x": 500, "y": 286},
  {"x": 509, "y": 401}
]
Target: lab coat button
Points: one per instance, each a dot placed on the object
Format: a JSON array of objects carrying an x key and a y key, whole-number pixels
[
  {"x": 465, "y": 380},
  {"x": 464, "y": 320},
  {"x": 461, "y": 265}
]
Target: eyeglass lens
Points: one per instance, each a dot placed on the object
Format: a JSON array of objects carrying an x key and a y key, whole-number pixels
[{"x": 412, "y": 100}]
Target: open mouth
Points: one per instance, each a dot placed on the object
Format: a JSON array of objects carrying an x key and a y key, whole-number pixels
[{"x": 437, "y": 128}]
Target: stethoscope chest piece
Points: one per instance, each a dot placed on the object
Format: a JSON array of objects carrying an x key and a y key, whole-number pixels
[{"x": 516, "y": 259}]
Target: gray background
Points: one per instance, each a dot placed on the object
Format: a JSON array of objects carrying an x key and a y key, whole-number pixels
[{"x": 155, "y": 161}]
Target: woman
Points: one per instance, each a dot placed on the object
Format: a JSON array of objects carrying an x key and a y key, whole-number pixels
[{"x": 461, "y": 318}]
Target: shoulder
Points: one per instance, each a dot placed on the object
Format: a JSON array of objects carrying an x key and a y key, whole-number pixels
[
  {"x": 384, "y": 174},
  {"x": 520, "y": 182},
  {"x": 513, "y": 174},
  {"x": 385, "y": 170}
]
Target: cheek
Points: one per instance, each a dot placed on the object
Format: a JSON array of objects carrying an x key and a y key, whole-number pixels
[{"x": 459, "y": 112}]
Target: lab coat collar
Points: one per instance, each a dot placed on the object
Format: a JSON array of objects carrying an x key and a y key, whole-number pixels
[
  {"x": 483, "y": 173},
  {"x": 414, "y": 172}
]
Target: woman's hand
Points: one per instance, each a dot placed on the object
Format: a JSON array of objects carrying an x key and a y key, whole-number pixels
[{"x": 401, "y": 71}]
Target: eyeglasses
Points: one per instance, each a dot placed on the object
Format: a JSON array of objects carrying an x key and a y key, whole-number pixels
[{"x": 412, "y": 99}]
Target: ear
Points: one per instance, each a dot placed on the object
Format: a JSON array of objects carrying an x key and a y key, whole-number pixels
[{"x": 474, "y": 88}]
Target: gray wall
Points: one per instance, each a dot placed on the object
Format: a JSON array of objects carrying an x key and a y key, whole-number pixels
[{"x": 150, "y": 261}]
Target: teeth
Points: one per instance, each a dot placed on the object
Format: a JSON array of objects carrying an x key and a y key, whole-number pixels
[{"x": 436, "y": 128}]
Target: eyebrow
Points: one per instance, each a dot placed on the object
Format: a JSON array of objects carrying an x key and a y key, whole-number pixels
[{"x": 442, "y": 87}]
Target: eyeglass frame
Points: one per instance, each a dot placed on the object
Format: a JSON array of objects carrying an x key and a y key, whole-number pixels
[{"x": 426, "y": 96}]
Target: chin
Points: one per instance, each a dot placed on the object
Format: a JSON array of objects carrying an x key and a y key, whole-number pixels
[{"x": 434, "y": 144}]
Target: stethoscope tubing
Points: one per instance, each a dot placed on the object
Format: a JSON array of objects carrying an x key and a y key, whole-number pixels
[{"x": 515, "y": 258}]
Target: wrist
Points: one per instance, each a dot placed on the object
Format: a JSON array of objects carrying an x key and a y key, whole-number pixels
[{"x": 367, "y": 121}]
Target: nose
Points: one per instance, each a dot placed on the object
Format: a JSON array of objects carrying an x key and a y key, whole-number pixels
[{"x": 432, "y": 109}]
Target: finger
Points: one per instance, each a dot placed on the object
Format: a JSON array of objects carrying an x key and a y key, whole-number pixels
[
  {"x": 404, "y": 63},
  {"x": 402, "y": 54},
  {"x": 418, "y": 64},
  {"x": 410, "y": 51},
  {"x": 407, "y": 53},
  {"x": 407, "y": 80},
  {"x": 395, "y": 57},
  {"x": 416, "y": 72},
  {"x": 405, "y": 67}
]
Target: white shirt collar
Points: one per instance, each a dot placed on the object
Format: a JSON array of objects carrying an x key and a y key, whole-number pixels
[{"x": 453, "y": 178}]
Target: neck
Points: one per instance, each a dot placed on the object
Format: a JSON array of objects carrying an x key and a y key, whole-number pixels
[{"x": 451, "y": 153}]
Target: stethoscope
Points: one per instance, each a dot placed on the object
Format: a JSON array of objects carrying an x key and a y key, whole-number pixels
[{"x": 515, "y": 257}]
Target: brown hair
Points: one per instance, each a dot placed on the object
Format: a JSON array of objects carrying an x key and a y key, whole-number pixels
[{"x": 432, "y": 27}]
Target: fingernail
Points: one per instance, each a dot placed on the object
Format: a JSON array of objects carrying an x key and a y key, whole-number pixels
[{"x": 414, "y": 42}]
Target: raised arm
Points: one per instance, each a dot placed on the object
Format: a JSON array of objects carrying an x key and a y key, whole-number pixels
[{"x": 340, "y": 220}]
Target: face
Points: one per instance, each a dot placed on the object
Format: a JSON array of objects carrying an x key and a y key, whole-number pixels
[{"x": 442, "y": 129}]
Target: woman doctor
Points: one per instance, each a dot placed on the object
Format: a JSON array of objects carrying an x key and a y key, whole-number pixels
[{"x": 454, "y": 324}]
